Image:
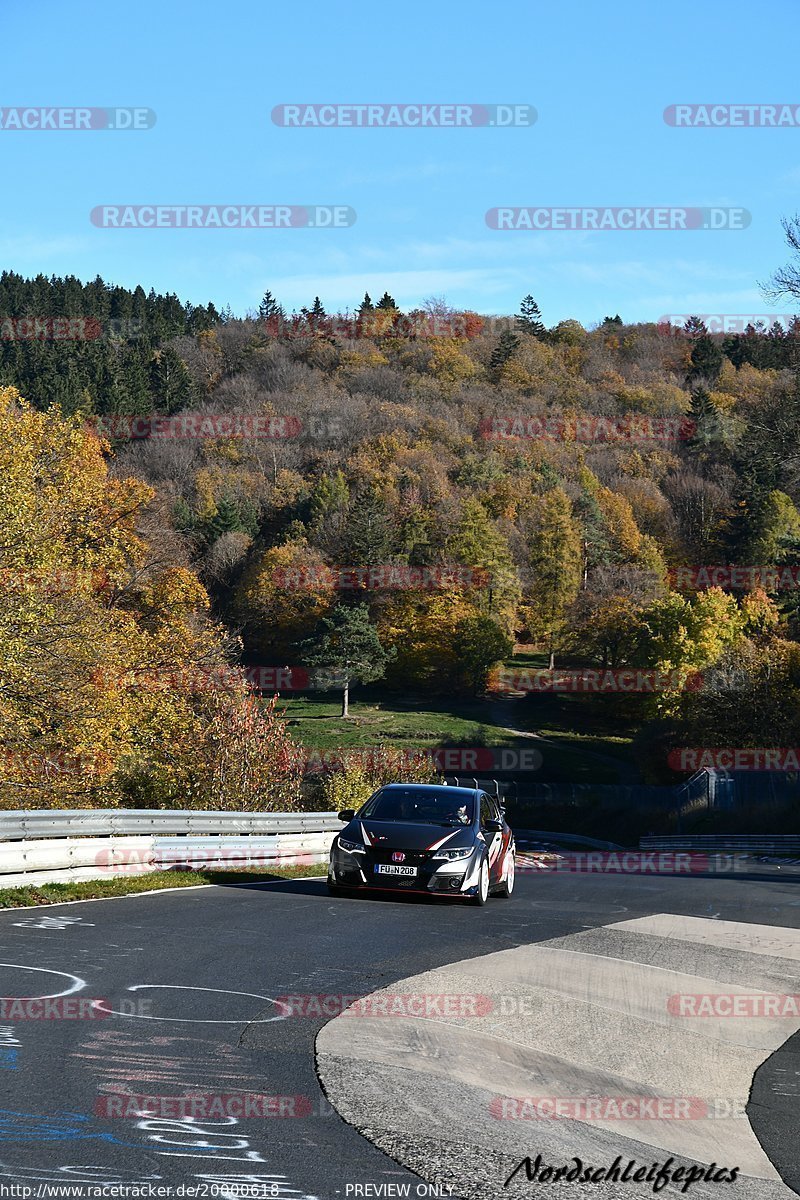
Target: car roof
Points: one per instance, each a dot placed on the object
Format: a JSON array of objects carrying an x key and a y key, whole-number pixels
[{"x": 431, "y": 787}]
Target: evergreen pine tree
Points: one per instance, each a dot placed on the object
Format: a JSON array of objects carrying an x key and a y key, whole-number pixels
[
  {"x": 271, "y": 312},
  {"x": 170, "y": 382},
  {"x": 348, "y": 646},
  {"x": 530, "y": 318},
  {"x": 507, "y": 345}
]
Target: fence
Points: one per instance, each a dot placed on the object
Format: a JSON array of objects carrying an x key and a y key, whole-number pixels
[
  {"x": 708, "y": 790},
  {"x": 58, "y": 845},
  {"x": 697, "y": 792},
  {"x": 713, "y": 843}
]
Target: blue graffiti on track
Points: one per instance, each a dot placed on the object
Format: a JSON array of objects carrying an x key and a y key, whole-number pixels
[{"x": 61, "y": 1127}]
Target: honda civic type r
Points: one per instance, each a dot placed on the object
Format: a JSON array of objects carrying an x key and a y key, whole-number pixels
[{"x": 428, "y": 838}]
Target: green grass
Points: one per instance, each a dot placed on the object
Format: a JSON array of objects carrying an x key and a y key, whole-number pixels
[
  {"x": 569, "y": 760},
  {"x": 99, "y": 889},
  {"x": 580, "y": 728},
  {"x": 583, "y": 725},
  {"x": 407, "y": 724}
]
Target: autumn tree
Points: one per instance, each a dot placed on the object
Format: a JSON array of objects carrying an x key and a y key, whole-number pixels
[
  {"x": 442, "y": 644},
  {"x": 282, "y": 595},
  {"x": 555, "y": 567},
  {"x": 114, "y": 676},
  {"x": 477, "y": 543}
]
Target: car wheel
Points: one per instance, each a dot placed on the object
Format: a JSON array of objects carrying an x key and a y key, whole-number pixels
[
  {"x": 482, "y": 894},
  {"x": 507, "y": 886}
]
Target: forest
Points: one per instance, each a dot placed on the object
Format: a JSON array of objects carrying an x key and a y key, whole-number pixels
[{"x": 428, "y": 502}]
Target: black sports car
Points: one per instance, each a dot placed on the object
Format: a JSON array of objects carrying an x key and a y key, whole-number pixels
[{"x": 424, "y": 837}]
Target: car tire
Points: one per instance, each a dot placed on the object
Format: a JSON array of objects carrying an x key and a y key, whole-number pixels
[
  {"x": 482, "y": 894},
  {"x": 506, "y": 888}
]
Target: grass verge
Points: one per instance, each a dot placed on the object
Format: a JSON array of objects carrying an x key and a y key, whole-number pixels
[
  {"x": 407, "y": 724},
  {"x": 99, "y": 889}
]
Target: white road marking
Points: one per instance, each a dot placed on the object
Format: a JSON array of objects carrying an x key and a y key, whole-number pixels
[
  {"x": 98, "y": 1004},
  {"x": 76, "y": 987},
  {"x": 43, "y": 922}
]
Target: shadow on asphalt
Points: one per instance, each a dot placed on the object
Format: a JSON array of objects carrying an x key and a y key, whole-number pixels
[{"x": 316, "y": 887}]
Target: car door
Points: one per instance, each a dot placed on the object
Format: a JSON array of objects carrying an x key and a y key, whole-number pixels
[{"x": 494, "y": 841}]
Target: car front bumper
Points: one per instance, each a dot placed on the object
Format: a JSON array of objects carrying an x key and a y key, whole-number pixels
[{"x": 437, "y": 877}]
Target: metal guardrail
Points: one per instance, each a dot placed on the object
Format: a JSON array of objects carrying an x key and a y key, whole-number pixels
[
  {"x": 712, "y": 842},
  {"x": 57, "y": 845},
  {"x": 127, "y": 822},
  {"x": 521, "y": 836}
]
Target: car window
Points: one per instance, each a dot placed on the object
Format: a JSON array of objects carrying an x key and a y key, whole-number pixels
[
  {"x": 488, "y": 809},
  {"x": 443, "y": 805}
]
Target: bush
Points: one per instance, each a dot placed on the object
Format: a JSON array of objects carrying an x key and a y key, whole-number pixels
[
  {"x": 242, "y": 760},
  {"x": 362, "y": 773}
]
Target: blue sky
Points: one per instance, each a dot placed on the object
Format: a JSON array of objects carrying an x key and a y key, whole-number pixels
[{"x": 599, "y": 75}]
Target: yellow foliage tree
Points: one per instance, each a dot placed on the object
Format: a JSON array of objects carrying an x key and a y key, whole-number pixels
[{"x": 103, "y": 653}]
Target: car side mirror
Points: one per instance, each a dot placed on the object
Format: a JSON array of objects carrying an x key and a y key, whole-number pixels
[
  {"x": 493, "y": 826},
  {"x": 346, "y": 814}
]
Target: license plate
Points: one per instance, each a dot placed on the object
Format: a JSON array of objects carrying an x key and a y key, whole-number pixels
[{"x": 391, "y": 869}]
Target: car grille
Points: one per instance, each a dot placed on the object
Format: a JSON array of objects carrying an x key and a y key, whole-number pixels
[{"x": 413, "y": 858}]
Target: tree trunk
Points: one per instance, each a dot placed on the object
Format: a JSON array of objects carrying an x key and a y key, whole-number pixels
[
  {"x": 552, "y": 657},
  {"x": 346, "y": 699}
]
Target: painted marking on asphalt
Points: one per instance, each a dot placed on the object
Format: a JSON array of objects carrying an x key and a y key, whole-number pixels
[
  {"x": 43, "y": 922},
  {"x": 180, "y": 987},
  {"x": 77, "y": 985}
]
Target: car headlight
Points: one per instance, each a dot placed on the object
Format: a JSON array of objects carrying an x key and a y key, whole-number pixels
[
  {"x": 453, "y": 855},
  {"x": 351, "y": 847}
]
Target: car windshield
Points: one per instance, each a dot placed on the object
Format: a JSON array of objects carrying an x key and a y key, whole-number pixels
[{"x": 445, "y": 806}]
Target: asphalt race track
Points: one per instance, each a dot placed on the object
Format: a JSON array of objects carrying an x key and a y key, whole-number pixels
[{"x": 184, "y": 986}]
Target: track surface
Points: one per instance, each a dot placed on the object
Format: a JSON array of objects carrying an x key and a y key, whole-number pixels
[{"x": 185, "y": 958}]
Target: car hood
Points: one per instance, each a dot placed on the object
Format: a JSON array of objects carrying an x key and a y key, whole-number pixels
[{"x": 408, "y": 835}]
